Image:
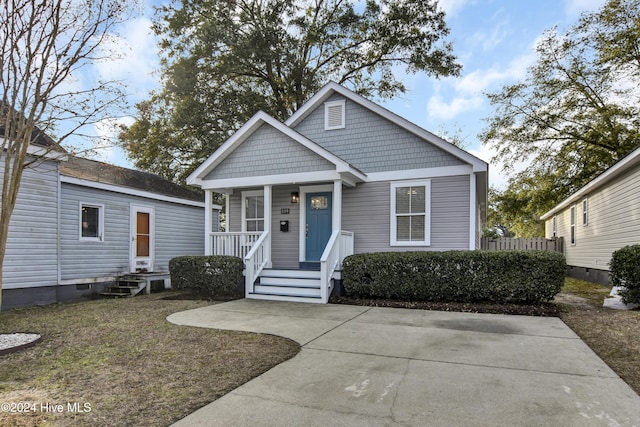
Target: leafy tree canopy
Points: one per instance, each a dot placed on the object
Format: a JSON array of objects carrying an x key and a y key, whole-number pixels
[
  {"x": 225, "y": 60},
  {"x": 574, "y": 115}
]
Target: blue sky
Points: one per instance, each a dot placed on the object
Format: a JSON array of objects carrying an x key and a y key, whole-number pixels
[{"x": 493, "y": 39}]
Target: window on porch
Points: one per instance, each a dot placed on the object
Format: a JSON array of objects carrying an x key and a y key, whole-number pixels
[{"x": 253, "y": 209}]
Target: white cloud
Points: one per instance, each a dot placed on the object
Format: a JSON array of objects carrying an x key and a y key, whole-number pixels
[
  {"x": 481, "y": 80},
  {"x": 107, "y": 131},
  {"x": 451, "y": 7},
  {"x": 490, "y": 36},
  {"x": 497, "y": 177},
  {"x": 467, "y": 94},
  {"x": 133, "y": 57},
  {"x": 439, "y": 109},
  {"x": 573, "y": 8}
]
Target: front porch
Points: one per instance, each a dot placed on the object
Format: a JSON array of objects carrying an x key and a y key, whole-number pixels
[{"x": 289, "y": 237}]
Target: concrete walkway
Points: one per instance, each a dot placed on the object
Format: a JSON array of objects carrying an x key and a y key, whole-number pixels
[{"x": 364, "y": 366}]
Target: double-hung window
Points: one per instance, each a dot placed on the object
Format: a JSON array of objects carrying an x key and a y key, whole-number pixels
[
  {"x": 91, "y": 222},
  {"x": 253, "y": 211},
  {"x": 411, "y": 213},
  {"x": 572, "y": 224}
]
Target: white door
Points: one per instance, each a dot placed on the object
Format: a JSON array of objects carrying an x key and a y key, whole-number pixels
[{"x": 142, "y": 239}]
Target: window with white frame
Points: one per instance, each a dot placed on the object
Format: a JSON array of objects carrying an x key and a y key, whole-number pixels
[
  {"x": 584, "y": 212},
  {"x": 411, "y": 213},
  {"x": 253, "y": 211},
  {"x": 572, "y": 223},
  {"x": 554, "y": 226},
  {"x": 334, "y": 115},
  {"x": 91, "y": 222}
]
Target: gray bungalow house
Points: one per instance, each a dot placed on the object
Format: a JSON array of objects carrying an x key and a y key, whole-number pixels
[
  {"x": 341, "y": 176},
  {"x": 79, "y": 225},
  {"x": 598, "y": 219}
]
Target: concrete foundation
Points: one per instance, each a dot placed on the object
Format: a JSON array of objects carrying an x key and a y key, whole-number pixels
[
  {"x": 29, "y": 297},
  {"x": 589, "y": 274}
]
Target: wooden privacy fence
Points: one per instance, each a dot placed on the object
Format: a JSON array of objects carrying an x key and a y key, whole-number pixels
[{"x": 518, "y": 244}]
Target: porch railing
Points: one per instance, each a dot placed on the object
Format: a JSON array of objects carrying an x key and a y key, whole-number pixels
[
  {"x": 234, "y": 244},
  {"x": 256, "y": 260},
  {"x": 340, "y": 245}
]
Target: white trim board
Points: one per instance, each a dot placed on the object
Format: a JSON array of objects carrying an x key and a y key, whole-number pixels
[
  {"x": 330, "y": 175},
  {"x": 291, "y": 178},
  {"x": 132, "y": 192},
  {"x": 419, "y": 173}
]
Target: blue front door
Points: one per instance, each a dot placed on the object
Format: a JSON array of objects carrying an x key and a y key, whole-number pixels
[{"x": 318, "y": 226}]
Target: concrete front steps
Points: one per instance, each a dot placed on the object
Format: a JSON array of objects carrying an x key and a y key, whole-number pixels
[{"x": 287, "y": 285}]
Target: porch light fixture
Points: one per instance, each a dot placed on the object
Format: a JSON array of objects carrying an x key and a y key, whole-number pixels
[{"x": 295, "y": 197}]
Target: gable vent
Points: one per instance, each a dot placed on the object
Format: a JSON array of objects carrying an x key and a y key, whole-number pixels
[{"x": 334, "y": 117}]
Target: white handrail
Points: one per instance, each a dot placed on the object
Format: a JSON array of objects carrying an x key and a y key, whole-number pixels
[
  {"x": 235, "y": 244},
  {"x": 256, "y": 260},
  {"x": 339, "y": 246}
]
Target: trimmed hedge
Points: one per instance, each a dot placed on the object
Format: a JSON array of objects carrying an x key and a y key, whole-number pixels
[
  {"x": 625, "y": 271},
  {"x": 529, "y": 277},
  {"x": 208, "y": 276}
]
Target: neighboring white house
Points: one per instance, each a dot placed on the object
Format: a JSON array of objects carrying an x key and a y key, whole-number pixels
[
  {"x": 79, "y": 224},
  {"x": 342, "y": 175},
  {"x": 600, "y": 218}
]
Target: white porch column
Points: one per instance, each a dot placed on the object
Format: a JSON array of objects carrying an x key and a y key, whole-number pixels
[
  {"x": 267, "y": 222},
  {"x": 227, "y": 218},
  {"x": 208, "y": 210},
  {"x": 337, "y": 205}
]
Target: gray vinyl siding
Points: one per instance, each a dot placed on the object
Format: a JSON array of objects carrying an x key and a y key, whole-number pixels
[
  {"x": 371, "y": 143},
  {"x": 178, "y": 231},
  {"x": 366, "y": 212},
  {"x": 269, "y": 152},
  {"x": 285, "y": 251},
  {"x": 235, "y": 212},
  {"x": 284, "y": 245},
  {"x": 31, "y": 256},
  {"x": 613, "y": 222}
]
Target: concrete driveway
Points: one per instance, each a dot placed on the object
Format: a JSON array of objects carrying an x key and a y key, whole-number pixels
[{"x": 370, "y": 366}]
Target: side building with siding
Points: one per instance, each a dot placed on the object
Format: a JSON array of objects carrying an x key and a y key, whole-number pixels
[
  {"x": 79, "y": 224},
  {"x": 600, "y": 218}
]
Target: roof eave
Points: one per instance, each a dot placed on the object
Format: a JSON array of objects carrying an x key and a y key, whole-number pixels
[{"x": 604, "y": 178}]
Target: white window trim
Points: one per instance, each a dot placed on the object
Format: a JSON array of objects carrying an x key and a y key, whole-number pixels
[
  {"x": 100, "y": 208},
  {"x": 573, "y": 210},
  {"x": 585, "y": 212},
  {"x": 244, "y": 195},
  {"x": 330, "y": 104},
  {"x": 554, "y": 226},
  {"x": 393, "y": 238}
]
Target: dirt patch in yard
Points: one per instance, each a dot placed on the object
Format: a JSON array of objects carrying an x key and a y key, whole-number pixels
[
  {"x": 125, "y": 362},
  {"x": 614, "y": 335}
]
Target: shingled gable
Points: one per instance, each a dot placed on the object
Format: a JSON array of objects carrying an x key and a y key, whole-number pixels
[
  {"x": 245, "y": 132},
  {"x": 81, "y": 171},
  {"x": 41, "y": 143},
  {"x": 331, "y": 88}
]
